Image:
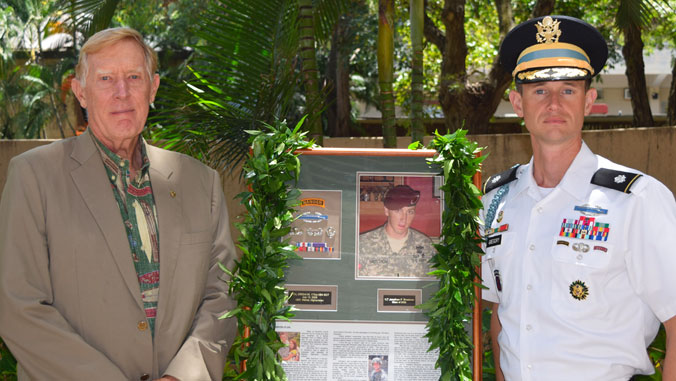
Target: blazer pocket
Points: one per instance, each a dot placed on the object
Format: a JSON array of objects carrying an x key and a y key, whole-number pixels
[{"x": 196, "y": 238}]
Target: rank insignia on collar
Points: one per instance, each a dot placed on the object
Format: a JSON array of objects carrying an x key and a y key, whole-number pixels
[
  {"x": 579, "y": 290},
  {"x": 500, "y": 214},
  {"x": 589, "y": 210},
  {"x": 501, "y": 179},
  {"x": 613, "y": 179}
]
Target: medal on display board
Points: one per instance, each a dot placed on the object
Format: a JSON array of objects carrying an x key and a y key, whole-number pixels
[{"x": 316, "y": 230}]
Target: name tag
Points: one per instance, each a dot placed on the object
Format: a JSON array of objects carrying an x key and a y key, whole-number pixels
[{"x": 494, "y": 240}]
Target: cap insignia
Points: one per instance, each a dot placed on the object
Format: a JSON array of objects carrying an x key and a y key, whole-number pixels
[{"x": 548, "y": 31}]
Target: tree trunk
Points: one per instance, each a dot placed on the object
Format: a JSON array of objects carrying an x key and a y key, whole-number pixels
[
  {"x": 633, "y": 56},
  {"x": 386, "y": 70},
  {"x": 466, "y": 104},
  {"x": 542, "y": 8},
  {"x": 308, "y": 54},
  {"x": 453, "y": 70},
  {"x": 338, "y": 111},
  {"x": 330, "y": 80},
  {"x": 671, "y": 105},
  {"x": 343, "y": 105},
  {"x": 417, "y": 9}
]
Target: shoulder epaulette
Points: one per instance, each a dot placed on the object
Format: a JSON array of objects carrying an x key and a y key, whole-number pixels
[
  {"x": 500, "y": 179},
  {"x": 614, "y": 179}
]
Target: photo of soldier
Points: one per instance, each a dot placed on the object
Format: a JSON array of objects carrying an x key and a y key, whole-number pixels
[
  {"x": 378, "y": 368},
  {"x": 395, "y": 249}
]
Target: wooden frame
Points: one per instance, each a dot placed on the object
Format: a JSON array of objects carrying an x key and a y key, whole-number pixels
[{"x": 477, "y": 353}]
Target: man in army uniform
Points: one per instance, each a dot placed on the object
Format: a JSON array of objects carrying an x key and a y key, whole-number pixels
[
  {"x": 579, "y": 262},
  {"x": 395, "y": 249}
]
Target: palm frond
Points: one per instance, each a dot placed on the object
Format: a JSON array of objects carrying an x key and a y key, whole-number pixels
[
  {"x": 244, "y": 74},
  {"x": 88, "y": 16},
  {"x": 639, "y": 12},
  {"x": 326, "y": 13}
]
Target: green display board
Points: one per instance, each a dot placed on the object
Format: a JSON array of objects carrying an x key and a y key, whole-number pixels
[{"x": 328, "y": 281}]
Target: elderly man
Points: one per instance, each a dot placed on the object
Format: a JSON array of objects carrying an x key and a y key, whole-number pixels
[
  {"x": 577, "y": 260},
  {"x": 395, "y": 249},
  {"x": 109, "y": 247}
]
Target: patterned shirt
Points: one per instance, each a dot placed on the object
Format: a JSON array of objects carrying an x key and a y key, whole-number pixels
[
  {"x": 376, "y": 257},
  {"x": 134, "y": 197}
]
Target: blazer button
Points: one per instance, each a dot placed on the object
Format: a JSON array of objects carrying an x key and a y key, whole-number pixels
[
  {"x": 144, "y": 377},
  {"x": 142, "y": 325}
]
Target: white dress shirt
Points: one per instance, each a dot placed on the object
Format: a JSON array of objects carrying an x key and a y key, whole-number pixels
[{"x": 573, "y": 308}]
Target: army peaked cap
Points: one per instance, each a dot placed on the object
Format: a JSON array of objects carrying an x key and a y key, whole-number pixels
[{"x": 553, "y": 48}]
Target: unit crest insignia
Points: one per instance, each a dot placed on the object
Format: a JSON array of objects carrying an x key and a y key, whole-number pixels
[{"x": 579, "y": 290}]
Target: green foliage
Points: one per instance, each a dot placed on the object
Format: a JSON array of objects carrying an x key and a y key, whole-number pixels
[
  {"x": 360, "y": 45},
  {"x": 168, "y": 25},
  {"x": 488, "y": 363},
  {"x": 270, "y": 169},
  {"x": 404, "y": 61},
  {"x": 7, "y": 364},
  {"x": 458, "y": 254},
  {"x": 244, "y": 70},
  {"x": 87, "y": 16},
  {"x": 656, "y": 351},
  {"x": 29, "y": 94},
  {"x": 243, "y": 73}
]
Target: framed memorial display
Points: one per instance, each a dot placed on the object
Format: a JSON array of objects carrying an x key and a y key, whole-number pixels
[{"x": 365, "y": 227}]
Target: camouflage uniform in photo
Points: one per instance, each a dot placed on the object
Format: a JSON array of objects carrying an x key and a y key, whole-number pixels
[{"x": 376, "y": 257}]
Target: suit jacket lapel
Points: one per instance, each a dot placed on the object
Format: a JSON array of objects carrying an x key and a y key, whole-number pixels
[
  {"x": 94, "y": 187},
  {"x": 168, "y": 203}
]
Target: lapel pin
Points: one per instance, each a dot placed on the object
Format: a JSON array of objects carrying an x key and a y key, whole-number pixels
[
  {"x": 583, "y": 247},
  {"x": 589, "y": 210}
]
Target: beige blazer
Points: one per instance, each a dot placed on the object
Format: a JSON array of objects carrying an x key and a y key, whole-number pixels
[{"x": 70, "y": 303}]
